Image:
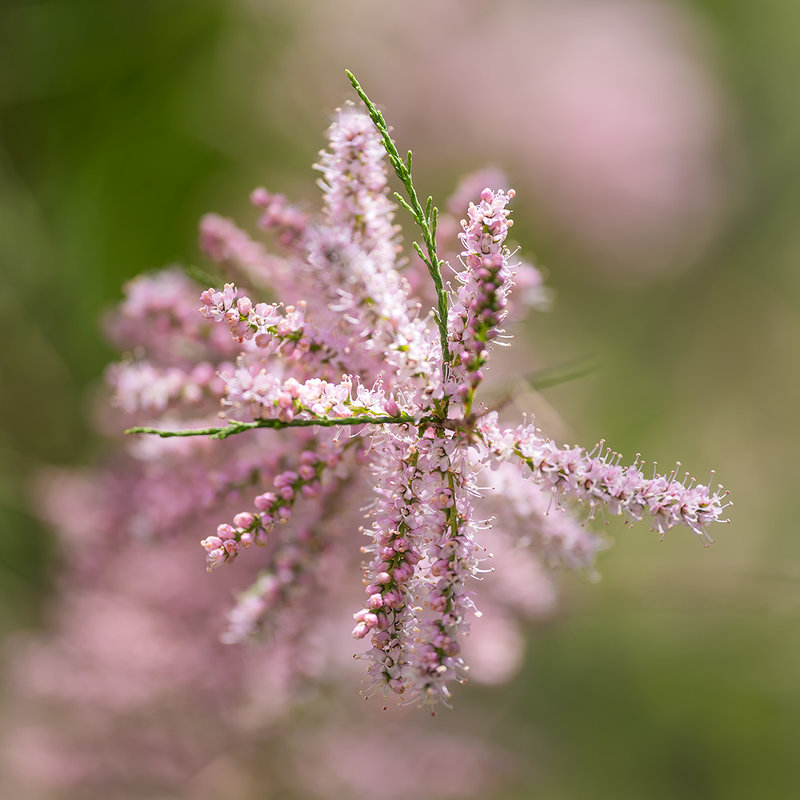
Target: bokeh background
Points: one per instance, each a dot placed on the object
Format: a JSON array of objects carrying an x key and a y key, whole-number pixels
[{"x": 655, "y": 149}]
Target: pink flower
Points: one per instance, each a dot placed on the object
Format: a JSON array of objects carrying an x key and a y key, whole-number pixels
[{"x": 395, "y": 389}]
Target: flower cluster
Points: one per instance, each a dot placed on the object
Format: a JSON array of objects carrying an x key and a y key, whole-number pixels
[
  {"x": 363, "y": 375},
  {"x": 481, "y": 301}
]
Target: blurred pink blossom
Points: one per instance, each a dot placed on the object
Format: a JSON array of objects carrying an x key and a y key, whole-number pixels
[{"x": 607, "y": 112}]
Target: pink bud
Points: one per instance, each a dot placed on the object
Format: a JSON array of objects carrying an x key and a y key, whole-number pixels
[
  {"x": 264, "y": 502},
  {"x": 244, "y": 520},
  {"x": 244, "y": 306},
  {"x": 360, "y": 630},
  {"x": 307, "y": 472},
  {"x": 285, "y": 478},
  {"x": 211, "y": 542},
  {"x": 392, "y": 599},
  {"x": 231, "y": 546}
]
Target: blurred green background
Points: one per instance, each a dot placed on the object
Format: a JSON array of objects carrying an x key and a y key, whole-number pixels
[{"x": 122, "y": 122}]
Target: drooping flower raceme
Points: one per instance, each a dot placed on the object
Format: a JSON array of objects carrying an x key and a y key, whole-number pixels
[{"x": 371, "y": 383}]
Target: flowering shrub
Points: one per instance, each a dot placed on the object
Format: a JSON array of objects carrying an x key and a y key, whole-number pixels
[{"x": 367, "y": 381}]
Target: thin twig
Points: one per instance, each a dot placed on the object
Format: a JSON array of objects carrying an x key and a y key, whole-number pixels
[
  {"x": 425, "y": 218},
  {"x": 235, "y": 426}
]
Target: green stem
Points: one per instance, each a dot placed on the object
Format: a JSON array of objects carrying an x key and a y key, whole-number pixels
[
  {"x": 425, "y": 218},
  {"x": 236, "y": 426}
]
